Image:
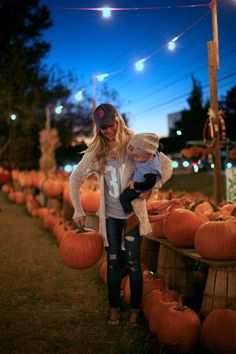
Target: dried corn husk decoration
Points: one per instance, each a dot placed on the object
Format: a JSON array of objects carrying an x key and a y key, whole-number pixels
[{"x": 49, "y": 142}]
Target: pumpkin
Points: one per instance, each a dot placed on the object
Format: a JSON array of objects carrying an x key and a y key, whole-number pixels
[
  {"x": 181, "y": 225},
  {"x": 52, "y": 187},
  {"x": 81, "y": 248},
  {"x": 60, "y": 230},
  {"x": 6, "y": 188},
  {"x": 32, "y": 207},
  {"x": 150, "y": 282},
  {"x": 203, "y": 206},
  {"x": 18, "y": 197},
  {"x": 90, "y": 196},
  {"x": 149, "y": 300},
  {"x": 158, "y": 309},
  {"x": 52, "y": 218},
  {"x": 179, "y": 327},
  {"x": 218, "y": 334},
  {"x": 41, "y": 212},
  {"x": 216, "y": 240},
  {"x": 25, "y": 179}
]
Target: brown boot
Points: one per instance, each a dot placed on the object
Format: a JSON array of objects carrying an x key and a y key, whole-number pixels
[{"x": 132, "y": 221}]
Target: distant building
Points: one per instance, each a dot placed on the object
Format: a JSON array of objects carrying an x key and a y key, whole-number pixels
[{"x": 172, "y": 119}]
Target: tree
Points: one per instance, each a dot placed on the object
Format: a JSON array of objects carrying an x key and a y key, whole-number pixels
[
  {"x": 228, "y": 104},
  {"x": 193, "y": 120},
  {"x": 25, "y": 85}
]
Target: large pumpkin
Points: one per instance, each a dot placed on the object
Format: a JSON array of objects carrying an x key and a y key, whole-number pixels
[
  {"x": 180, "y": 328},
  {"x": 81, "y": 249},
  {"x": 218, "y": 334},
  {"x": 216, "y": 240},
  {"x": 181, "y": 225}
]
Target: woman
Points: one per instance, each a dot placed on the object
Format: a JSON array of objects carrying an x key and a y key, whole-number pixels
[{"x": 107, "y": 157}]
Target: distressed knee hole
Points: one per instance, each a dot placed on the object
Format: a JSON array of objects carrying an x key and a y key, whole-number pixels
[{"x": 129, "y": 238}]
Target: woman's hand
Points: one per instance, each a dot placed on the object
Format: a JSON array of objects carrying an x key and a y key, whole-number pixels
[
  {"x": 131, "y": 184},
  {"x": 80, "y": 220},
  {"x": 145, "y": 195}
]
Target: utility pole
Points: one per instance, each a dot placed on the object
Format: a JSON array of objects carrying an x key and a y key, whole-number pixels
[{"x": 213, "y": 63}]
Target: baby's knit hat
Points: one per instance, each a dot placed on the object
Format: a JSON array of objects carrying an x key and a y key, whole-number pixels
[{"x": 143, "y": 144}]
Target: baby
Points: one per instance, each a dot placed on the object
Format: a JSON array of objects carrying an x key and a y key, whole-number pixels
[{"x": 143, "y": 148}]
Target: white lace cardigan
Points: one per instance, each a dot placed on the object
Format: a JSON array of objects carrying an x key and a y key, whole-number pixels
[{"x": 89, "y": 165}]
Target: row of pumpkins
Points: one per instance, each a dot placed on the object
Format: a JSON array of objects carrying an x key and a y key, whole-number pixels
[
  {"x": 210, "y": 229},
  {"x": 169, "y": 320}
]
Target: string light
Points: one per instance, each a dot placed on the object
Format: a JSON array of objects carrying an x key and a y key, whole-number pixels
[
  {"x": 106, "y": 12},
  {"x": 139, "y": 65},
  {"x": 13, "y": 117},
  {"x": 79, "y": 96},
  {"x": 59, "y": 109},
  {"x": 101, "y": 77}
]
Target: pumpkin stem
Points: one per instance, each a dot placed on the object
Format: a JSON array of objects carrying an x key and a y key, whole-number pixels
[
  {"x": 234, "y": 212},
  {"x": 180, "y": 306},
  {"x": 214, "y": 207},
  {"x": 194, "y": 205},
  {"x": 80, "y": 228}
]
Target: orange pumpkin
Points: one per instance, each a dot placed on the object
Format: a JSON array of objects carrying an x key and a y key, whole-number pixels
[
  {"x": 90, "y": 199},
  {"x": 158, "y": 309},
  {"x": 150, "y": 282},
  {"x": 218, "y": 334},
  {"x": 181, "y": 225},
  {"x": 216, "y": 240},
  {"x": 81, "y": 249},
  {"x": 60, "y": 230},
  {"x": 52, "y": 187},
  {"x": 152, "y": 297},
  {"x": 179, "y": 327}
]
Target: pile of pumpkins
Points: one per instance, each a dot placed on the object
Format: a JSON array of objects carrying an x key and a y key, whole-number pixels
[{"x": 210, "y": 229}]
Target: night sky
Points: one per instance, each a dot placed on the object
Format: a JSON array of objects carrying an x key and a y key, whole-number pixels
[{"x": 86, "y": 43}]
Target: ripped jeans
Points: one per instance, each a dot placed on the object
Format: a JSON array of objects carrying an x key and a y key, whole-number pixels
[{"x": 115, "y": 262}]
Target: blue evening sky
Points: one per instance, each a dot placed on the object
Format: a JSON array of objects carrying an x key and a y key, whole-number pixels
[{"x": 86, "y": 43}]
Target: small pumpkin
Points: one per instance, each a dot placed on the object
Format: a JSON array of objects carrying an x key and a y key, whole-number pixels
[{"x": 151, "y": 281}]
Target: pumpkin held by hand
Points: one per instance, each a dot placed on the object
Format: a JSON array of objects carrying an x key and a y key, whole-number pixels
[{"x": 81, "y": 248}]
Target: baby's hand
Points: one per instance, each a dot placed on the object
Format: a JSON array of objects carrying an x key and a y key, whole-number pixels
[{"x": 131, "y": 184}]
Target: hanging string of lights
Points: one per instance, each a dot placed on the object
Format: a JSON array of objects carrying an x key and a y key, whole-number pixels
[
  {"x": 107, "y": 10},
  {"x": 139, "y": 65}
]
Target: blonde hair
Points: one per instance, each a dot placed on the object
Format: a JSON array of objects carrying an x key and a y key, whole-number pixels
[{"x": 99, "y": 144}]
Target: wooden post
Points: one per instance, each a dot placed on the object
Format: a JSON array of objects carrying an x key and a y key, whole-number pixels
[
  {"x": 215, "y": 30},
  {"x": 213, "y": 62},
  {"x": 214, "y": 106}
]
